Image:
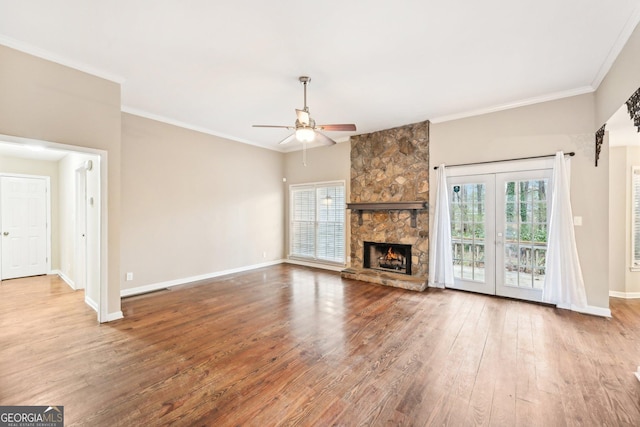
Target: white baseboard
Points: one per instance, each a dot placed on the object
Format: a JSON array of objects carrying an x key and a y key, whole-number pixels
[
  {"x": 91, "y": 303},
  {"x": 331, "y": 267},
  {"x": 594, "y": 311},
  {"x": 164, "y": 285},
  {"x": 110, "y": 317},
  {"x": 625, "y": 295},
  {"x": 66, "y": 279}
]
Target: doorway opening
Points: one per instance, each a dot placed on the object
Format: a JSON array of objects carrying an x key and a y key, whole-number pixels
[{"x": 77, "y": 250}]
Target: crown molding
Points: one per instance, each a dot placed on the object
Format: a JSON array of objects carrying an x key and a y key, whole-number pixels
[
  {"x": 522, "y": 103},
  {"x": 618, "y": 45},
  {"x": 185, "y": 125},
  {"x": 58, "y": 59}
]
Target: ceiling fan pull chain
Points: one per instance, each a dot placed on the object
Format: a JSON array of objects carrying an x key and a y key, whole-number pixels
[{"x": 304, "y": 153}]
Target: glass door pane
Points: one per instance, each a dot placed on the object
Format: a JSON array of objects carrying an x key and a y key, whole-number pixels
[
  {"x": 471, "y": 209},
  {"x": 467, "y": 227},
  {"x": 524, "y": 198}
]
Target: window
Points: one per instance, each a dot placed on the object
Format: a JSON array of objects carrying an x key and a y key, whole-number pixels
[
  {"x": 635, "y": 218},
  {"x": 317, "y": 221}
]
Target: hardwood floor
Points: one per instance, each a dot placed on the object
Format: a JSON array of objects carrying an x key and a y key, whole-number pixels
[{"x": 288, "y": 345}]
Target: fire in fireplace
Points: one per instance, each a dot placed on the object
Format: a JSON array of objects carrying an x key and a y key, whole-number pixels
[{"x": 393, "y": 257}]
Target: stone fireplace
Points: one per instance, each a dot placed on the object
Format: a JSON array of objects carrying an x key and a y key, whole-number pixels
[{"x": 389, "y": 205}]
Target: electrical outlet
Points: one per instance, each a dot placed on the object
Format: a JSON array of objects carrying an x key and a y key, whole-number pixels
[
  {"x": 264, "y": 254},
  {"x": 129, "y": 276}
]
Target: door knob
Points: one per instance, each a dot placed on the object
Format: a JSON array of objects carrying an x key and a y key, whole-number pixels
[{"x": 6, "y": 233}]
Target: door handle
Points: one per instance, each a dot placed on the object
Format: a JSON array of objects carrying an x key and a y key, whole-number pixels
[{"x": 6, "y": 233}]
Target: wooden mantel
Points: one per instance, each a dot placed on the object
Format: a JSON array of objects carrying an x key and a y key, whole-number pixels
[{"x": 414, "y": 207}]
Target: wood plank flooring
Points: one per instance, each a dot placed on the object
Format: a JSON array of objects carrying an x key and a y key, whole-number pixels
[{"x": 288, "y": 345}]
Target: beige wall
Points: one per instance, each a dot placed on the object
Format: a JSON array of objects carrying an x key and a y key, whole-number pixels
[
  {"x": 328, "y": 163},
  {"x": 50, "y": 102},
  {"x": 195, "y": 204},
  {"x": 623, "y": 281},
  {"x": 15, "y": 165},
  {"x": 540, "y": 129},
  {"x": 618, "y": 226}
]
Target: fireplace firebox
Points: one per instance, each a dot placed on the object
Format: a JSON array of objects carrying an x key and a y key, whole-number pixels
[{"x": 394, "y": 257}]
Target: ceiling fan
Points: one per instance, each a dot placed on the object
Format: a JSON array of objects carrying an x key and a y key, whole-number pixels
[{"x": 306, "y": 129}]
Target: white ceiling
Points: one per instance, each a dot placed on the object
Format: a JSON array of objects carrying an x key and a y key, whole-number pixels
[{"x": 221, "y": 66}]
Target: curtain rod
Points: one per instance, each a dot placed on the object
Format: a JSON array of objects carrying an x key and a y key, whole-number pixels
[{"x": 506, "y": 160}]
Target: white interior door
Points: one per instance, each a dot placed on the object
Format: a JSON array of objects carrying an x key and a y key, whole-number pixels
[
  {"x": 23, "y": 216},
  {"x": 499, "y": 232}
]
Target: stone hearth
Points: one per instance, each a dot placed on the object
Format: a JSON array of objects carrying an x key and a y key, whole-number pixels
[
  {"x": 386, "y": 278},
  {"x": 387, "y": 167}
]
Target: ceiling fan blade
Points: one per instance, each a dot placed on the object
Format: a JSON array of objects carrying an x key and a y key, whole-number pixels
[
  {"x": 344, "y": 127},
  {"x": 288, "y": 139},
  {"x": 303, "y": 117},
  {"x": 273, "y": 126},
  {"x": 323, "y": 139}
]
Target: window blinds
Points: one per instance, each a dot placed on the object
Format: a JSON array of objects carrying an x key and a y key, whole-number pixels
[
  {"x": 303, "y": 222},
  {"x": 317, "y": 222}
]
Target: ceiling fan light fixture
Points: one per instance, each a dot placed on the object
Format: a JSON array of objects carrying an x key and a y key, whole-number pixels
[
  {"x": 305, "y": 134},
  {"x": 305, "y": 127}
]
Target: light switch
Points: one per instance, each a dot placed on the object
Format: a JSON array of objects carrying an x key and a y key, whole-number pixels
[{"x": 577, "y": 221}]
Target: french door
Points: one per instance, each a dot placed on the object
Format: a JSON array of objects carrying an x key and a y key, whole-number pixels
[{"x": 499, "y": 226}]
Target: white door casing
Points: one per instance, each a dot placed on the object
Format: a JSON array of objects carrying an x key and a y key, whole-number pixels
[
  {"x": 24, "y": 218},
  {"x": 499, "y": 223},
  {"x": 80, "y": 264}
]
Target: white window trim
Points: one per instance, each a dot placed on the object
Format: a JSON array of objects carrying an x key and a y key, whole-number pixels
[
  {"x": 634, "y": 263},
  {"x": 315, "y": 260}
]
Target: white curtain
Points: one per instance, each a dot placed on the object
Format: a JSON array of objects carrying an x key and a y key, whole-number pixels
[
  {"x": 563, "y": 284},
  {"x": 440, "y": 261}
]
